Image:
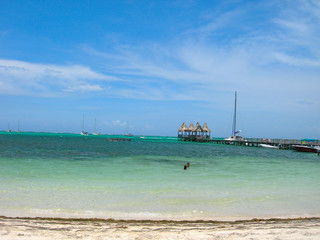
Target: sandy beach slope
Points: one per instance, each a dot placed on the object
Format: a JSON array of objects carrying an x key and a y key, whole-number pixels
[{"x": 22, "y": 228}]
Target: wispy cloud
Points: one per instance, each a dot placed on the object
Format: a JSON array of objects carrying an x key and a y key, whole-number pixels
[
  {"x": 195, "y": 65},
  {"x": 213, "y": 23},
  {"x": 224, "y": 51},
  {"x": 297, "y": 32},
  {"x": 296, "y": 61},
  {"x": 118, "y": 123},
  {"x": 23, "y": 78}
]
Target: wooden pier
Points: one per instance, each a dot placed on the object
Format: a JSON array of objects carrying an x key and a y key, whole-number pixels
[{"x": 254, "y": 142}]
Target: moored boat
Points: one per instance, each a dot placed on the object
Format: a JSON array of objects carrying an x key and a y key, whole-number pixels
[
  {"x": 302, "y": 148},
  {"x": 95, "y": 128},
  {"x": 234, "y": 136},
  {"x": 118, "y": 139},
  {"x": 84, "y": 133},
  {"x": 268, "y": 146}
]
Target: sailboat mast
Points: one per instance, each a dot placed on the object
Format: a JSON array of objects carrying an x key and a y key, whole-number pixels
[
  {"x": 82, "y": 122},
  {"x": 127, "y": 128},
  {"x": 234, "y": 126}
]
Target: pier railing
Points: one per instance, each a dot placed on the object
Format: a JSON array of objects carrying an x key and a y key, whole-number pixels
[
  {"x": 253, "y": 142},
  {"x": 284, "y": 141},
  {"x": 193, "y": 138}
]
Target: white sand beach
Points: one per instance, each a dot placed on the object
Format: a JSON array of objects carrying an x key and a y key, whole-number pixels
[{"x": 34, "y": 229}]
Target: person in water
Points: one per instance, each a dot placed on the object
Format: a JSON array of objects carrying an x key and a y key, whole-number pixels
[{"x": 186, "y": 166}]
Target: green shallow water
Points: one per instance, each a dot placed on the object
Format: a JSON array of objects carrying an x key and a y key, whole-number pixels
[{"x": 65, "y": 175}]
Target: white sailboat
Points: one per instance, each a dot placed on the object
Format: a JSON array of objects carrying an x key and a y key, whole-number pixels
[
  {"x": 234, "y": 136},
  {"x": 19, "y": 126},
  {"x": 268, "y": 146},
  {"x": 9, "y": 129},
  {"x": 83, "y": 132},
  {"x": 127, "y": 131},
  {"x": 95, "y": 128}
]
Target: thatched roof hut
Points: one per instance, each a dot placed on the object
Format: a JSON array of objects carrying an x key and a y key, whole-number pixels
[
  {"x": 205, "y": 128},
  {"x": 192, "y": 133},
  {"x": 183, "y": 127},
  {"x": 198, "y": 128},
  {"x": 191, "y": 127}
]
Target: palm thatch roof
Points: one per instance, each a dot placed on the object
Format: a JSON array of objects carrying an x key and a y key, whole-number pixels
[
  {"x": 183, "y": 127},
  {"x": 198, "y": 128},
  {"x": 191, "y": 128},
  {"x": 205, "y": 128}
]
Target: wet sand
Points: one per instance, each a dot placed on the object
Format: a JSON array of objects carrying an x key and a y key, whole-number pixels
[{"x": 41, "y": 228}]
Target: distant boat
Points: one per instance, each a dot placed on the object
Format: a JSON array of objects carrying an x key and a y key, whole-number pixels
[
  {"x": 95, "y": 131},
  {"x": 235, "y": 138},
  {"x": 302, "y": 148},
  {"x": 234, "y": 133},
  {"x": 118, "y": 140},
  {"x": 127, "y": 134},
  {"x": 269, "y": 146},
  {"x": 19, "y": 126},
  {"x": 9, "y": 129},
  {"x": 83, "y": 132}
]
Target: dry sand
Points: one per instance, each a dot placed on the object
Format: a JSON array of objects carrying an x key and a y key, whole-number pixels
[{"x": 23, "y": 228}]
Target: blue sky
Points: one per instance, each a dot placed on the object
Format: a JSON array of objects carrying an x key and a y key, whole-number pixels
[{"x": 156, "y": 64}]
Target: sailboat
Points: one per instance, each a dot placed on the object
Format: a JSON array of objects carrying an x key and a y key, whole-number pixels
[
  {"x": 9, "y": 130},
  {"x": 234, "y": 133},
  {"x": 19, "y": 126},
  {"x": 127, "y": 131},
  {"x": 83, "y": 132},
  {"x": 95, "y": 126}
]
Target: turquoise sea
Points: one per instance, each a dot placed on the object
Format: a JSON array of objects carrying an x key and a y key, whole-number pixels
[{"x": 73, "y": 176}]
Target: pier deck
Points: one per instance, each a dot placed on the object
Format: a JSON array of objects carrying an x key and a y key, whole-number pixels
[{"x": 255, "y": 142}]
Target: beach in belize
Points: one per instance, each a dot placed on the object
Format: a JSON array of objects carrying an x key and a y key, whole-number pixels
[{"x": 67, "y": 186}]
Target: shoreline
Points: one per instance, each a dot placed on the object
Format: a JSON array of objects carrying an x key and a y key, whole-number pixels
[
  {"x": 80, "y": 219},
  {"x": 153, "y": 217},
  {"x": 61, "y": 228}
]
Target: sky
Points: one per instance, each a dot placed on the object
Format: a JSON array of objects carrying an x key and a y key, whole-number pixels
[{"x": 147, "y": 66}]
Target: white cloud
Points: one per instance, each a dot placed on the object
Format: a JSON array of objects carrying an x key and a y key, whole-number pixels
[
  {"x": 301, "y": 62},
  {"x": 118, "y": 123},
  {"x": 298, "y": 29},
  {"x": 86, "y": 88},
  {"x": 281, "y": 60},
  {"x": 23, "y": 78},
  {"x": 195, "y": 65}
]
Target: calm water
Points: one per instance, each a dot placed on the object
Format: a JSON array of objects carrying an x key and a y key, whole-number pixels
[{"x": 76, "y": 176}]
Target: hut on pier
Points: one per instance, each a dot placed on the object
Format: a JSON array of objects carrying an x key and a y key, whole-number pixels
[
  {"x": 190, "y": 130},
  {"x": 206, "y": 130},
  {"x": 198, "y": 130},
  {"x": 192, "y": 133},
  {"x": 183, "y": 130}
]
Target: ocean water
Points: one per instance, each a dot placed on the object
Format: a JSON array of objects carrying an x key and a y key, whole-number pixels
[{"x": 73, "y": 176}]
